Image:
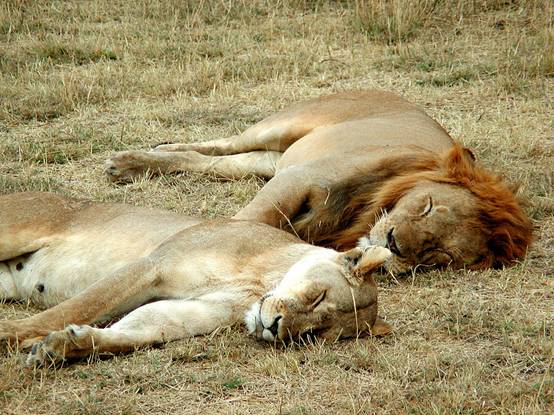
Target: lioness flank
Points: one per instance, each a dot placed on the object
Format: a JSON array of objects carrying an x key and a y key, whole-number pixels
[
  {"x": 182, "y": 277},
  {"x": 355, "y": 164}
]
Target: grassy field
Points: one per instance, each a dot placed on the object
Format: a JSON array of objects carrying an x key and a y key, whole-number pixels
[{"x": 82, "y": 79}]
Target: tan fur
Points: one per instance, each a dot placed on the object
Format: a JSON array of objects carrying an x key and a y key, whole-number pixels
[
  {"x": 335, "y": 161},
  {"x": 175, "y": 276}
]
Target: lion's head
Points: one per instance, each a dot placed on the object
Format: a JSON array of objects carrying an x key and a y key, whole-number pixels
[
  {"x": 329, "y": 294},
  {"x": 454, "y": 215},
  {"x": 428, "y": 209}
]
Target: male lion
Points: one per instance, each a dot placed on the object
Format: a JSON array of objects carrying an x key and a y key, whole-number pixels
[
  {"x": 352, "y": 163},
  {"x": 182, "y": 277}
]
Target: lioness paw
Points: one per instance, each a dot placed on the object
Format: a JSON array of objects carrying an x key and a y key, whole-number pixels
[
  {"x": 378, "y": 253},
  {"x": 73, "y": 341},
  {"x": 40, "y": 356}
]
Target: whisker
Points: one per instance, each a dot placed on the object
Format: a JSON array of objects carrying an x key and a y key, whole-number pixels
[
  {"x": 393, "y": 277},
  {"x": 288, "y": 220},
  {"x": 355, "y": 312}
]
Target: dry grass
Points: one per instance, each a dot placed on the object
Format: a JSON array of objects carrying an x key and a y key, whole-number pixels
[{"x": 82, "y": 79}]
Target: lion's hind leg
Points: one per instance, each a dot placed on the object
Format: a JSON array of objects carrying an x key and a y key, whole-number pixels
[
  {"x": 153, "y": 323},
  {"x": 271, "y": 134}
]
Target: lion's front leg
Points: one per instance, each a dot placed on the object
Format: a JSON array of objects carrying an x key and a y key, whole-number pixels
[
  {"x": 284, "y": 197},
  {"x": 219, "y": 147},
  {"x": 73, "y": 341},
  {"x": 153, "y": 323},
  {"x": 12, "y": 333},
  {"x": 272, "y": 134},
  {"x": 125, "y": 166}
]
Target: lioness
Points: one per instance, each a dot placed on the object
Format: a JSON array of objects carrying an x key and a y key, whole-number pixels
[
  {"x": 350, "y": 164},
  {"x": 182, "y": 277}
]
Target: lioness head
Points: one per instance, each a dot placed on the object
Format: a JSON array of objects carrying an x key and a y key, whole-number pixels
[
  {"x": 456, "y": 215},
  {"x": 329, "y": 294}
]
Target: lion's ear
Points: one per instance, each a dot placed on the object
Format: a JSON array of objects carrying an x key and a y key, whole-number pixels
[
  {"x": 360, "y": 262},
  {"x": 486, "y": 261},
  {"x": 380, "y": 327}
]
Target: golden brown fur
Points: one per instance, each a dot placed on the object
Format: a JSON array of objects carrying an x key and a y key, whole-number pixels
[{"x": 361, "y": 163}]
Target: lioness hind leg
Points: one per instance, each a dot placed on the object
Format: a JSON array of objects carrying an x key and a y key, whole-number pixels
[
  {"x": 29, "y": 219},
  {"x": 127, "y": 165},
  {"x": 153, "y": 323}
]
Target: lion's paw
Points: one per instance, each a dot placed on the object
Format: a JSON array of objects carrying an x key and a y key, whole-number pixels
[
  {"x": 57, "y": 346},
  {"x": 170, "y": 147}
]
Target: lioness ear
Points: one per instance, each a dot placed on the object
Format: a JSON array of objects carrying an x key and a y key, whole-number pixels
[
  {"x": 362, "y": 262},
  {"x": 380, "y": 327},
  {"x": 459, "y": 162},
  {"x": 468, "y": 155}
]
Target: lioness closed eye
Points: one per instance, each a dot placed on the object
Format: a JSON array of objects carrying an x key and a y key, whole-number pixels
[
  {"x": 177, "y": 276},
  {"x": 343, "y": 165}
]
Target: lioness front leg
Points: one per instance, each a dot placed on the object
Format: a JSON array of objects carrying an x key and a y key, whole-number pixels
[
  {"x": 153, "y": 323},
  {"x": 128, "y": 165},
  {"x": 112, "y": 295}
]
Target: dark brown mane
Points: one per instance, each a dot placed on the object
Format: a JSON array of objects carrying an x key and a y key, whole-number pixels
[{"x": 354, "y": 207}]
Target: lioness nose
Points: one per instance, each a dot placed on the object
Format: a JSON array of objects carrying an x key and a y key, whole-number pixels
[{"x": 274, "y": 328}]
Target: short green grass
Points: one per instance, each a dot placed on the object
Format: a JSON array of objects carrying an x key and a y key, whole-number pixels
[{"x": 80, "y": 80}]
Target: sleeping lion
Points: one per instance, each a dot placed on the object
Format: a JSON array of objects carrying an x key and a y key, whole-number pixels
[
  {"x": 176, "y": 277},
  {"x": 358, "y": 164}
]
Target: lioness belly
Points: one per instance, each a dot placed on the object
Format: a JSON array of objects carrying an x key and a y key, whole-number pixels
[
  {"x": 71, "y": 262},
  {"x": 56, "y": 273}
]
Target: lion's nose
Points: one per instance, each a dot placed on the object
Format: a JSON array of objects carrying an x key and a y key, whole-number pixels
[{"x": 271, "y": 332}]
